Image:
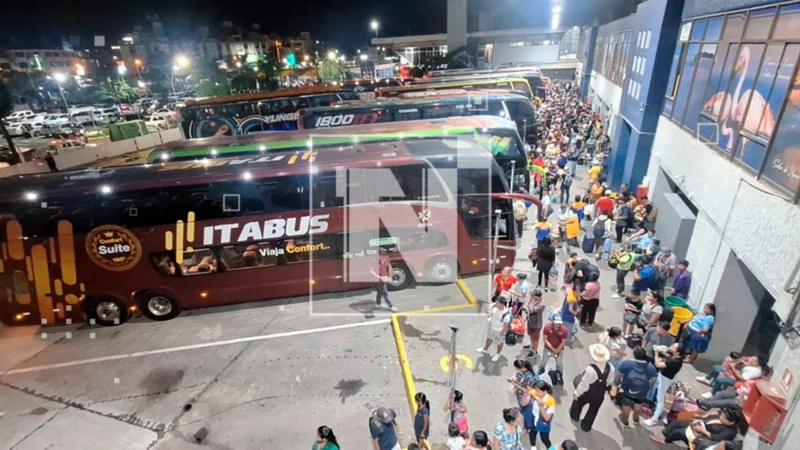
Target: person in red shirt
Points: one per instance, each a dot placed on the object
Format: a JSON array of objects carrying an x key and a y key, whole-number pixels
[
  {"x": 503, "y": 281},
  {"x": 605, "y": 204},
  {"x": 555, "y": 339},
  {"x": 384, "y": 276}
]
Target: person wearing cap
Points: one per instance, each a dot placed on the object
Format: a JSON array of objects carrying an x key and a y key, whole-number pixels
[
  {"x": 383, "y": 429},
  {"x": 595, "y": 381},
  {"x": 499, "y": 320},
  {"x": 665, "y": 263},
  {"x": 555, "y": 340},
  {"x": 605, "y": 204}
]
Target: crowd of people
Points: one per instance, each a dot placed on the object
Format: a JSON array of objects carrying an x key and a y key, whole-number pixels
[{"x": 635, "y": 365}]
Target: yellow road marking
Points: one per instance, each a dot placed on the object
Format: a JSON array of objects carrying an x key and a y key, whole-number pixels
[
  {"x": 466, "y": 292},
  {"x": 405, "y": 370},
  {"x": 445, "y": 362}
]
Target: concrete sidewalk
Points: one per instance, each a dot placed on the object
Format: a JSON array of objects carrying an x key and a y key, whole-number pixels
[{"x": 484, "y": 383}]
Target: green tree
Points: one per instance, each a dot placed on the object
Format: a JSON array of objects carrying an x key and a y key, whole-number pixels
[
  {"x": 116, "y": 90},
  {"x": 6, "y": 108},
  {"x": 331, "y": 70},
  {"x": 214, "y": 86}
]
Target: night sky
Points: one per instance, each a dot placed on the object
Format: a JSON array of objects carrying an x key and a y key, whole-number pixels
[{"x": 42, "y": 23}]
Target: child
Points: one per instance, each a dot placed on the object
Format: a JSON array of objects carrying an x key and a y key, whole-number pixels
[
  {"x": 542, "y": 229},
  {"x": 633, "y": 308},
  {"x": 422, "y": 420},
  {"x": 455, "y": 441},
  {"x": 456, "y": 406}
]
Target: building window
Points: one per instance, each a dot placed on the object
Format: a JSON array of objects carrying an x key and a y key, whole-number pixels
[{"x": 730, "y": 77}]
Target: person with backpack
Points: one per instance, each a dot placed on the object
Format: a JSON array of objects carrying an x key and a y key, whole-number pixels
[
  {"x": 520, "y": 216},
  {"x": 535, "y": 309},
  {"x": 601, "y": 228},
  {"x": 623, "y": 259},
  {"x": 637, "y": 375},
  {"x": 383, "y": 429},
  {"x": 591, "y": 389},
  {"x": 566, "y": 184}
]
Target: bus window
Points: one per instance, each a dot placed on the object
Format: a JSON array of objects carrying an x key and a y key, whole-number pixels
[
  {"x": 495, "y": 109},
  {"x": 348, "y": 95},
  {"x": 521, "y": 86},
  {"x": 403, "y": 114},
  {"x": 436, "y": 112},
  {"x": 199, "y": 261},
  {"x": 323, "y": 192},
  {"x": 520, "y": 110},
  {"x": 164, "y": 264},
  {"x": 413, "y": 181},
  {"x": 246, "y": 256},
  {"x": 323, "y": 100}
]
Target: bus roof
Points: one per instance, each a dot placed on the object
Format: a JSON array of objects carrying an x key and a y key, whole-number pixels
[
  {"x": 478, "y": 76},
  {"x": 242, "y": 145},
  {"x": 256, "y": 96},
  {"x": 126, "y": 178},
  {"x": 422, "y": 87},
  {"x": 498, "y": 70},
  {"x": 421, "y": 101}
]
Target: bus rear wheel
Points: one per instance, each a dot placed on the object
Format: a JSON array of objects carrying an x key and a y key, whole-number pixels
[
  {"x": 107, "y": 311},
  {"x": 401, "y": 277},
  {"x": 441, "y": 270},
  {"x": 159, "y": 306}
]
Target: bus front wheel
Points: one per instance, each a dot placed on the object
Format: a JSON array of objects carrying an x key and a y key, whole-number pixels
[
  {"x": 441, "y": 270},
  {"x": 107, "y": 311},
  {"x": 401, "y": 277},
  {"x": 159, "y": 306}
]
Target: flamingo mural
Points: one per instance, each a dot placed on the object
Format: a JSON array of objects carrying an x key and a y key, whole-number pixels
[{"x": 730, "y": 108}]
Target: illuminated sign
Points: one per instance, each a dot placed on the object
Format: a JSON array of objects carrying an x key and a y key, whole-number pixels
[{"x": 270, "y": 229}]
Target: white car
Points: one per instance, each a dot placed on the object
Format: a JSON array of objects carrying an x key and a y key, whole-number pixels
[
  {"x": 15, "y": 129},
  {"x": 18, "y": 116},
  {"x": 52, "y": 122},
  {"x": 156, "y": 123}
]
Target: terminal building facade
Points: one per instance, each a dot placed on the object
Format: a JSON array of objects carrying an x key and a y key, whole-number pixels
[{"x": 703, "y": 110}]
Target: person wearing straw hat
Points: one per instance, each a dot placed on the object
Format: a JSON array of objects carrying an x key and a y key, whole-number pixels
[{"x": 591, "y": 387}]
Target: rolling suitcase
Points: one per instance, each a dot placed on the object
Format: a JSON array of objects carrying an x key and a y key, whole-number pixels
[{"x": 587, "y": 245}]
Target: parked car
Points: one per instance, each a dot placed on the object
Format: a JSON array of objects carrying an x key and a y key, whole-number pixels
[
  {"x": 52, "y": 122},
  {"x": 110, "y": 114},
  {"x": 15, "y": 129},
  {"x": 68, "y": 130},
  {"x": 88, "y": 116},
  {"x": 156, "y": 122},
  {"x": 18, "y": 116}
]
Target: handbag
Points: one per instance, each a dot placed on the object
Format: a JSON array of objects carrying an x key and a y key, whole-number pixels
[
  {"x": 511, "y": 339},
  {"x": 629, "y": 317}
]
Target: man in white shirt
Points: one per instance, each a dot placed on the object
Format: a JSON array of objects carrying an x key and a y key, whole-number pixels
[{"x": 499, "y": 320}]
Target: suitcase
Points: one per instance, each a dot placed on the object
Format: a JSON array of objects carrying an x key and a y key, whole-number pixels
[{"x": 587, "y": 245}]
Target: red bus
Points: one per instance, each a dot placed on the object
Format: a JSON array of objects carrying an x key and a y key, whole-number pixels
[{"x": 105, "y": 244}]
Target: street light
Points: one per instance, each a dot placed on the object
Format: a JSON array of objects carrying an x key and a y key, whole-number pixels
[
  {"x": 182, "y": 61},
  {"x": 331, "y": 56},
  {"x": 60, "y": 78},
  {"x": 122, "y": 69},
  {"x": 374, "y": 25}
]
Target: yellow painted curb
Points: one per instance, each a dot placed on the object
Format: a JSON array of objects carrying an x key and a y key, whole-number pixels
[
  {"x": 405, "y": 369},
  {"x": 434, "y": 310},
  {"x": 466, "y": 292}
]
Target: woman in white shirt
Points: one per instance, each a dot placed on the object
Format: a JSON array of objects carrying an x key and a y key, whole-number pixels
[{"x": 617, "y": 347}]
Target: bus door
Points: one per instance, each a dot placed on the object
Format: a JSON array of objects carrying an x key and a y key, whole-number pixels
[{"x": 522, "y": 114}]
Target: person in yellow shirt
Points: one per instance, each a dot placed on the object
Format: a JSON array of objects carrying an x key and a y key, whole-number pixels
[
  {"x": 594, "y": 173},
  {"x": 596, "y": 191}
]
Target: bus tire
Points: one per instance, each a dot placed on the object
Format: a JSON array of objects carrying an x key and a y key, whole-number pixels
[
  {"x": 106, "y": 311},
  {"x": 441, "y": 270},
  {"x": 401, "y": 277},
  {"x": 158, "y": 306}
]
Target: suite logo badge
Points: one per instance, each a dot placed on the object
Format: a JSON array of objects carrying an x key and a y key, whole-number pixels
[{"x": 113, "y": 248}]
